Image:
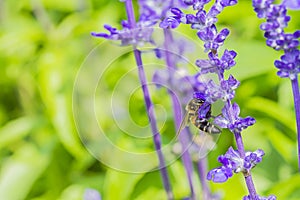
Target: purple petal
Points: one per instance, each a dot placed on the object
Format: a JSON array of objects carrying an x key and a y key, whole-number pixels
[
  {"x": 103, "y": 35},
  {"x": 219, "y": 175},
  {"x": 91, "y": 194},
  {"x": 204, "y": 110},
  {"x": 236, "y": 110},
  {"x": 292, "y": 4},
  {"x": 169, "y": 22},
  {"x": 221, "y": 121}
]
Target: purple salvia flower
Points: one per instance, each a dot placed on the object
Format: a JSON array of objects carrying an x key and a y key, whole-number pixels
[
  {"x": 219, "y": 175},
  {"x": 232, "y": 162},
  {"x": 197, "y": 4},
  {"x": 138, "y": 36},
  {"x": 231, "y": 119},
  {"x": 292, "y": 4},
  {"x": 289, "y": 65},
  {"x": 91, "y": 194},
  {"x": 211, "y": 91},
  {"x": 216, "y": 65},
  {"x": 154, "y": 10},
  {"x": 174, "y": 20},
  {"x": 261, "y": 7},
  {"x": 201, "y": 20},
  {"x": 211, "y": 38},
  {"x": 252, "y": 158},
  {"x": 178, "y": 14},
  {"x": 206, "y": 66},
  {"x": 169, "y": 22}
]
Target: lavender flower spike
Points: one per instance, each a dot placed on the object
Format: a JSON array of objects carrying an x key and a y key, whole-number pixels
[{"x": 289, "y": 64}]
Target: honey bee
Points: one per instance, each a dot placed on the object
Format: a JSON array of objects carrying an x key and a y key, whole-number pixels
[{"x": 192, "y": 116}]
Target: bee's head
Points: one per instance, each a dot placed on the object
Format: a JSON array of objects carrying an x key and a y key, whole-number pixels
[
  {"x": 199, "y": 97},
  {"x": 198, "y": 101}
]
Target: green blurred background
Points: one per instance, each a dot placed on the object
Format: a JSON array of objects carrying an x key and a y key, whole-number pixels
[{"x": 42, "y": 46}]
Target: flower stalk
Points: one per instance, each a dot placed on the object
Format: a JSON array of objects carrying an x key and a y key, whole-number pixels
[
  {"x": 296, "y": 95},
  {"x": 202, "y": 170},
  {"x": 149, "y": 105},
  {"x": 186, "y": 158}
]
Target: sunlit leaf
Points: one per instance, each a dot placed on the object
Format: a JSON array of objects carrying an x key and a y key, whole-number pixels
[
  {"x": 19, "y": 173},
  {"x": 120, "y": 185}
]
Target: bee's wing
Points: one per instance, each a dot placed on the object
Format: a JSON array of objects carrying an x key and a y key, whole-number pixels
[{"x": 183, "y": 124}]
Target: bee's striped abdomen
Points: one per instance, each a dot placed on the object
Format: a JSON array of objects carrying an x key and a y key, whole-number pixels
[{"x": 204, "y": 125}]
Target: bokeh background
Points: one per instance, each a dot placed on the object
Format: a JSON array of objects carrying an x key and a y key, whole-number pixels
[{"x": 43, "y": 44}]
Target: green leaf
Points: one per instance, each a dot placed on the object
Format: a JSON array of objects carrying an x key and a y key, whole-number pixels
[
  {"x": 258, "y": 62},
  {"x": 152, "y": 193},
  {"x": 20, "y": 171},
  {"x": 74, "y": 192},
  {"x": 16, "y": 130},
  {"x": 284, "y": 145},
  {"x": 273, "y": 110},
  {"x": 287, "y": 188},
  {"x": 120, "y": 185}
]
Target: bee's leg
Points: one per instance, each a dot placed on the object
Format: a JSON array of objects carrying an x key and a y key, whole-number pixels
[{"x": 213, "y": 117}]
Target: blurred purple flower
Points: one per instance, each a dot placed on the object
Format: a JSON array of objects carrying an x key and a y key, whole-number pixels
[
  {"x": 91, "y": 194},
  {"x": 138, "y": 36},
  {"x": 292, "y": 4}
]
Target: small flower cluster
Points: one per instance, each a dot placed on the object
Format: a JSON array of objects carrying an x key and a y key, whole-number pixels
[
  {"x": 276, "y": 21},
  {"x": 211, "y": 92},
  {"x": 215, "y": 64},
  {"x": 231, "y": 119},
  {"x": 202, "y": 21},
  {"x": 234, "y": 163},
  {"x": 156, "y": 10}
]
